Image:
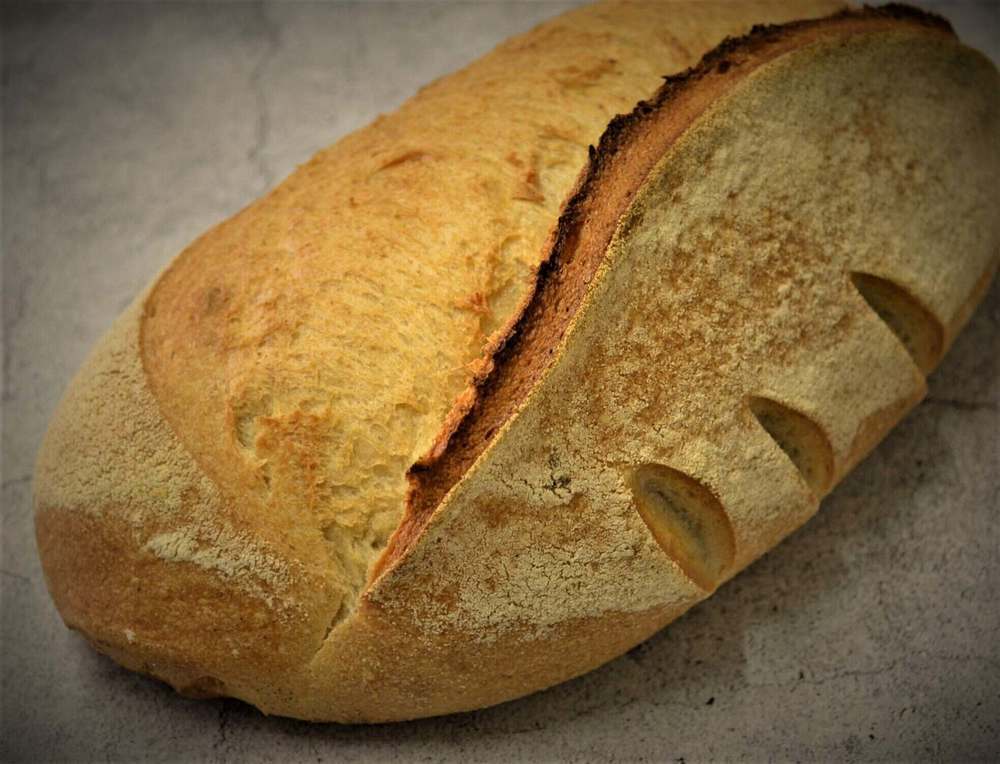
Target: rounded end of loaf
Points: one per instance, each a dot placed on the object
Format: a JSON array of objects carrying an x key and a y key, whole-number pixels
[{"x": 146, "y": 558}]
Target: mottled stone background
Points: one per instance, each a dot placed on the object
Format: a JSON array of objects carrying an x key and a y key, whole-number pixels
[{"x": 128, "y": 129}]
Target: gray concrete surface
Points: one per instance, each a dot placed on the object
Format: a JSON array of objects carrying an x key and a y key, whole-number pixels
[{"x": 128, "y": 129}]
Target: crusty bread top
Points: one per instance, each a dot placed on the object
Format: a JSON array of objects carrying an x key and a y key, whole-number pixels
[
  {"x": 307, "y": 351},
  {"x": 616, "y": 168},
  {"x": 747, "y": 337}
]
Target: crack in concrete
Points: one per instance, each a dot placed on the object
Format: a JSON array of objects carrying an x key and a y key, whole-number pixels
[
  {"x": 14, "y": 481},
  {"x": 15, "y": 576},
  {"x": 14, "y": 311},
  {"x": 959, "y": 405},
  {"x": 220, "y": 742},
  {"x": 850, "y": 673},
  {"x": 831, "y": 677},
  {"x": 593, "y": 709},
  {"x": 272, "y": 38},
  {"x": 995, "y": 663}
]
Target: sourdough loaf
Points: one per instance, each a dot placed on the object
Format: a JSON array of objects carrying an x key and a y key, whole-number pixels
[{"x": 441, "y": 420}]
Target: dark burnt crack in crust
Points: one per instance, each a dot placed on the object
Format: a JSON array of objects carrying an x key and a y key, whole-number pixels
[{"x": 629, "y": 148}]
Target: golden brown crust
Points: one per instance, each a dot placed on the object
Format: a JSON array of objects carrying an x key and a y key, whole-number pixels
[
  {"x": 219, "y": 460},
  {"x": 144, "y": 556},
  {"x": 755, "y": 299},
  {"x": 624, "y": 156},
  {"x": 306, "y": 351},
  {"x": 110, "y": 591}
]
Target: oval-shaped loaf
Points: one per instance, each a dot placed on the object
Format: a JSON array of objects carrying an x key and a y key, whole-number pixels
[{"x": 441, "y": 421}]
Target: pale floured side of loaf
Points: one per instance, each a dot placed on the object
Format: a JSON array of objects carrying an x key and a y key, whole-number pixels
[{"x": 143, "y": 554}]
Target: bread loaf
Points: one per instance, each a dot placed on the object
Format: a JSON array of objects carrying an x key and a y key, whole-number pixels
[{"x": 493, "y": 389}]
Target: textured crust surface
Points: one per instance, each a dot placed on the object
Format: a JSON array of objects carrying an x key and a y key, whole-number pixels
[
  {"x": 626, "y": 153},
  {"x": 143, "y": 554},
  {"x": 217, "y": 548},
  {"x": 307, "y": 351},
  {"x": 249, "y": 421},
  {"x": 728, "y": 279}
]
